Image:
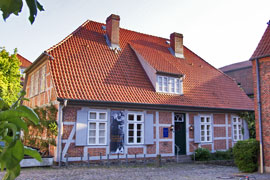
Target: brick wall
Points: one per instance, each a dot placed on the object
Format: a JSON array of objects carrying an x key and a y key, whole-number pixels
[
  {"x": 135, "y": 150},
  {"x": 264, "y": 68}
]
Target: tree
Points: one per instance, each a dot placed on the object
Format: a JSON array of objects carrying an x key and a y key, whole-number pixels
[
  {"x": 9, "y": 76},
  {"x": 9, "y": 7},
  {"x": 12, "y": 122}
]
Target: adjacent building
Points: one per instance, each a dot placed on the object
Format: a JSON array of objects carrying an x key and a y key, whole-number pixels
[
  {"x": 261, "y": 75},
  {"x": 242, "y": 73},
  {"x": 24, "y": 64},
  {"x": 123, "y": 92}
]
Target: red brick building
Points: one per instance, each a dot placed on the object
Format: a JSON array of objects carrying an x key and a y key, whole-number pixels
[
  {"x": 261, "y": 75},
  {"x": 242, "y": 73},
  {"x": 120, "y": 91}
]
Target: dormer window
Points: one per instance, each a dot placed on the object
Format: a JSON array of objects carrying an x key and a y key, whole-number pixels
[{"x": 169, "y": 85}]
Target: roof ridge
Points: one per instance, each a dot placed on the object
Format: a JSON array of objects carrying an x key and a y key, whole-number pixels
[{"x": 67, "y": 37}]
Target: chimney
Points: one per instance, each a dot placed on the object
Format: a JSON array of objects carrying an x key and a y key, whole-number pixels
[
  {"x": 112, "y": 30},
  {"x": 176, "y": 42}
]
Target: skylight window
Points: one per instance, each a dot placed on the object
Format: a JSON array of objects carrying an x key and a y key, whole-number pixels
[{"x": 169, "y": 85}]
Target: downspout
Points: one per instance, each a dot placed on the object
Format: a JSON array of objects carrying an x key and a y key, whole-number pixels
[
  {"x": 60, "y": 124},
  {"x": 259, "y": 115}
]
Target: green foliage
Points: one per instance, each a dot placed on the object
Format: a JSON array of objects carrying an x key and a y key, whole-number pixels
[
  {"x": 43, "y": 134},
  {"x": 9, "y": 7},
  {"x": 202, "y": 154},
  {"x": 246, "y": 155},
  {"x": 12, "y": 122},
  {"x": 250, "y": 118},
  {"x": 9, "y": 76},
  {"x": 222, "y": 155}
]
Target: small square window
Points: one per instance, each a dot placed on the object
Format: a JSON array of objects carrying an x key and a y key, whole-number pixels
[
  {"x": 93, "y": 115},
  {"x": 139, "y": 117},
  {"x": 102, "y": 116},
  {"x": 131, "y": 117}
]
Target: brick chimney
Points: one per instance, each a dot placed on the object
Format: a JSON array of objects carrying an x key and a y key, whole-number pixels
[
  {"x": 112, "y": 30},
  {"x": 176, "y": 42}
]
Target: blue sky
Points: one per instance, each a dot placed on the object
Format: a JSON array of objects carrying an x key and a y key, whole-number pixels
[{"x": 220, "y": 31}]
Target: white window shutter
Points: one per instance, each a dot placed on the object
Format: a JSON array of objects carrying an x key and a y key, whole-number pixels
[
  {"x": 149, "y": 129},
  {"x": 81, "y": 128},
  {"x": 197, "y": 129}
]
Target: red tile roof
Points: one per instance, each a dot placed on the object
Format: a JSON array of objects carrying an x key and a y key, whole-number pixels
[
  {"x": 84, "y": 68},
  {"x": 263, "y": 48},
  {"x": 25, "y": 63}
]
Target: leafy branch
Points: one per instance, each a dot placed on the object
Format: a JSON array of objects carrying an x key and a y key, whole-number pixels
[{"x": 9, "y": 7}]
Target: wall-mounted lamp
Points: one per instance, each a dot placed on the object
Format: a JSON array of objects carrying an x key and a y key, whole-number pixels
[
  {"x": 172, "y": 128},
  {"x": 191, "y": 127}
]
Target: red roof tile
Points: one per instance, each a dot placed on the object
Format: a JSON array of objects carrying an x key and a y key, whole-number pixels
[
  {"x": 263, "y": 48},
  {"x": 236, "y": 66},
  {"x": 25, "y": 63},
  {"x": 85, "y": 68}
]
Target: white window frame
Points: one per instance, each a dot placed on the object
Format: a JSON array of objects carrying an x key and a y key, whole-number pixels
[
  {"x": 168, "y": 88},
  {"x": 97, "y": 121},
  {"x": 238, "y": 130},
  {"x": 135, "y": 123},
  {"x": 36, "y": 83},
  {"x": 43, "y": 79},
  {"x": 205, "y": 124}
]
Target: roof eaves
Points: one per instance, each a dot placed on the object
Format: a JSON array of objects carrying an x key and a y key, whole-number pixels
[
  {"x": 259, "y": 57},
  {"x": 38, "y": 61},
  {"x": 149, "y": 106}
]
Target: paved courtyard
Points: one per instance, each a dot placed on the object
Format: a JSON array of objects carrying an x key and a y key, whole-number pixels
[{"x": 167, "y": 172}]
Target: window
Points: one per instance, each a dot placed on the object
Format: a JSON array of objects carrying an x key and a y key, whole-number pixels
[
  {"x": 36, "y": 83},
  {"x": 135, "y": 128},
  {"x": 237, "y": 128},
  {"x": 32, "y": 85},
  {"x": 206, "y": 129},
  {"x": 43, "y": 79},
  {"x": 97, "y": 128},
  {"x": 169, "y": 85}
]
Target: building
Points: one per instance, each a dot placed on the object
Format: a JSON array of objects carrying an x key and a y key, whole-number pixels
[
  {"x": 120, "y": 91},
  {"x": 242, "y": 73},
  {"x": 24, "y": 64},
  {"x": 261, "y": 75}
]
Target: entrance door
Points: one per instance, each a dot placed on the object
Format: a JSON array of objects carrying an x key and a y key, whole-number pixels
[{"x": 180, "y": 132}]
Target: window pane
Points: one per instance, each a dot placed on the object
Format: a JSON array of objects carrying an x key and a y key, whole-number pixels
[
  {"x": 102, "y": 116},
  {"x": 208, "y": 119},
  {"x": 93, "y": 115},
  {"x": 160, "y": 83},
  {"x": 202, "y": 119},
  {"x": 131, "y": 126},
  {"x": 172, "y": 84},
  {"x": 202, "y": 133},
  {"x": 139, "y": 126},
  {"x": 165, "y": 84},
  {"x": 138, "y": 133},
  {"x": 139, "y": 140},
  {"x": 92, "y": 133},
  {"x": 92, "y": 126},
  {"x": 101, "y": 125},
  {"x": 202, "y": 127},
  {"x": 139, "y": 117},
  {"x": 131, "y": 117},
  {"x": 202, "y": 138},
  {"x": 101, "y": 132},
  {"x": 102, "y": 140},
  {"x": 208, "y": 138},
  {"x": 234, "y": 119},
  {"x": 131, "y": 140},
  {"x": 92, "y": 140},
  {"x": 177, "y": 86},
  {"x": 130, "y": 133},
  {"x": 208, "y": 127}
]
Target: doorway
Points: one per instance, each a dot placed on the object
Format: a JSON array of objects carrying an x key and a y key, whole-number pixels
[{"x": 180, "y": 133}]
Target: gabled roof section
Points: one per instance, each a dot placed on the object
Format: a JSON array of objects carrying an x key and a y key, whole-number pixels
[
  {"x": 263, "y": 48},
  {"x": 24, "y": 62},
  {"x": 85, "y": 68},
  {"x": 236, "y": 66}
]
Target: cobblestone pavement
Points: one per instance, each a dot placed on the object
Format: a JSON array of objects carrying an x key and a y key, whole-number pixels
[{"x": 167, "y": 172}]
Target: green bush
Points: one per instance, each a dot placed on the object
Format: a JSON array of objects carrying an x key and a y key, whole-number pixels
[
  {"x": 202, "y": 154},
  {"x": 246, "y": 155},
  {"x": 222, "y": 155}
]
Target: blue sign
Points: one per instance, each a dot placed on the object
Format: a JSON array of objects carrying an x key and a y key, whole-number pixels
[{"x": 165, "y": 132}]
